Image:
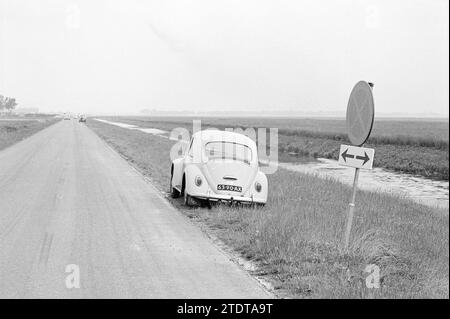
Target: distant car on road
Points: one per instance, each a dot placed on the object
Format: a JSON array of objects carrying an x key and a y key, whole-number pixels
[
  {"x": 82, "y": 119},
  {"x": 219, "y": 166},
  {"x": 66, "y": 117}
]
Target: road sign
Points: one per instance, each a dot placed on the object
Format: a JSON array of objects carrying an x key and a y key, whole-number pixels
[
  {"x": 360, "y": 113},
  {"x": 358, "y": 157}
]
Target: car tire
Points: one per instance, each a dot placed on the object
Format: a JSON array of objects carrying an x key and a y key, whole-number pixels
[
  {"x": 188, "y": 199},
  {"x": 173, "y": 191}
]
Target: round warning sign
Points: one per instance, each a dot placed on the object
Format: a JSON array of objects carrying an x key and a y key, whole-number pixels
[{"x": 360, "y": 113}]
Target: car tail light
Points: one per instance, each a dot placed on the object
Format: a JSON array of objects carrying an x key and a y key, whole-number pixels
[
  {"x": 198, "y": 181},
  {"x": 258, "y": 187}
]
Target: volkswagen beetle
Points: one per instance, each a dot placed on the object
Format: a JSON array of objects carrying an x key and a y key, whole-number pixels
[{"x": 219, "y": 166}]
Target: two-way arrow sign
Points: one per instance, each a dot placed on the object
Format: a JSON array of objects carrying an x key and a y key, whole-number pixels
[
  {"x": 358, "y": 157},
  {"x": 364, "y": 158}
]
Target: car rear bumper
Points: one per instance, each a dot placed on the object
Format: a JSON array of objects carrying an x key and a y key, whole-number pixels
[{"x": 229, "y": 198}]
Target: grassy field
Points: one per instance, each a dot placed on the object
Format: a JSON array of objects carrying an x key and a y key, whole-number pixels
[
  {"x": 409, "y": 146},
  {"x": 296, "y": 239},
  {"x": 14, "y": 130}
]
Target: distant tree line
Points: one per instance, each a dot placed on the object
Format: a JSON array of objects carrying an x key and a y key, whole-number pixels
[{"x": 7, "y": 103}]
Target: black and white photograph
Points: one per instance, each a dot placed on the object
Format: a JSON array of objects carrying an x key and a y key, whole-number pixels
[{"x": 230, "y": 158}]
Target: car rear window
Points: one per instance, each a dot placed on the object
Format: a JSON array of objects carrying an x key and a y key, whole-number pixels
[{"x": 228, "y": 150}]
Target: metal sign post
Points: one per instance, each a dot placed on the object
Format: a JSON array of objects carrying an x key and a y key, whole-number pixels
[
  {"x": 360, "y": 116},
  {"x": 351, "y": 209}
]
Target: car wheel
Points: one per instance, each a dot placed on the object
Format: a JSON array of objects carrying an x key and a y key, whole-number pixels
[
  {"x": 188, "y": 200},
  {"x": 173, "y": 192}
]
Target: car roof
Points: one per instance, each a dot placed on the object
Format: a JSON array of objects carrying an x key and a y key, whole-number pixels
[{"x": 218, "y": 135}]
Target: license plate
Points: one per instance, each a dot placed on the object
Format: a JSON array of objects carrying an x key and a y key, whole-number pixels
[{"x": 232, "y": 188}]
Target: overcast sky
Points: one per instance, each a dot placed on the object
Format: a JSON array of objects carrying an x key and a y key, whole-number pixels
[{"x": 127, "y": 55}]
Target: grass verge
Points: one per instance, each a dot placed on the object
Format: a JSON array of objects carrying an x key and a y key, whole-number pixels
[
  {"x": 296, "y": 239},
  {"x": 15, "y": 130}
]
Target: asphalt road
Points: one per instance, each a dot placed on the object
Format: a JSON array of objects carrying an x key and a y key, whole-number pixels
[{"x": 66, "y": 199}]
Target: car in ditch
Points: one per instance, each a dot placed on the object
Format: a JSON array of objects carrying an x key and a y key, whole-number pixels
[{"x": 219, "y": 166}]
